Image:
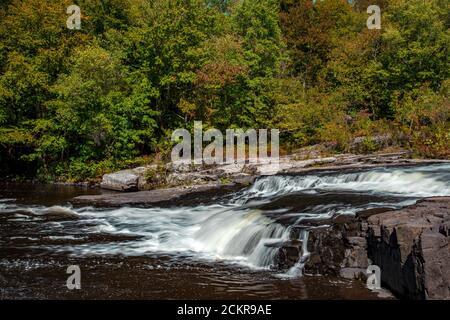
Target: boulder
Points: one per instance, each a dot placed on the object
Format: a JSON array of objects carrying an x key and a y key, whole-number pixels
[{"x": 125, "y": 180}]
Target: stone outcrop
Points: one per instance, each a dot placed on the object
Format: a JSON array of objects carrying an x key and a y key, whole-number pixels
[
  {"x": 412, "y": 248},
  {"x": 410, "y": 245},
  {"x": 339, "y": 249},
  {"x": 288, "y": 253}
]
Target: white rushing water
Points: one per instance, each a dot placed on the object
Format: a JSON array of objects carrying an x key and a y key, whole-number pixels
[
  {"x": 239, "y": 230},
  {"x": 424, "y": 181}
]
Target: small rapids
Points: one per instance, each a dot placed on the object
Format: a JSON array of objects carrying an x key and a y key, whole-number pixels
[
  {"x": 425, "y": 181},
  {"x": 243, "y": 230}
]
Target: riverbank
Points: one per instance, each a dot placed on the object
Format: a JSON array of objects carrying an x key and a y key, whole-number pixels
[
  {"x": 171, "y": 175},
  {"x": 160, "y": 185}
]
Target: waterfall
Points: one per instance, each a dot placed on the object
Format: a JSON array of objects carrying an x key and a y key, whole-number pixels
[
  {"x": 297, "y": 270},
  {"x": 424, "y": 181},
  {"x": 241, "y": 230}
]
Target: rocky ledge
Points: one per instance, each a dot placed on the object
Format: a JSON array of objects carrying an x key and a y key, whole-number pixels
[
  {"x": 192, "y": 195},
  {"x": 410, "y": 245},
  {"x": 170, "y": 175}
]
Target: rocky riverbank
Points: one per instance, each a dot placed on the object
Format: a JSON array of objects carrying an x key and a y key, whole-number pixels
[
  {"x": 169, "y": 175},
  {"x": 411, "y": 246},
  {"x": 163, "y": 184}
]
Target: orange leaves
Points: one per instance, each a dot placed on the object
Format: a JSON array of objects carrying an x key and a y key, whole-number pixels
[{"x": 220, "y": 73}]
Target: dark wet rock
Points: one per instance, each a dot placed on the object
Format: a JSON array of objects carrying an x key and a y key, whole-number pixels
[
  {"x": 340, "y": 249},
  {"x": 284, "y": 244},
  {"x": 412, "y": 248},
  {"x": 327, "y": 250},
  {"x": 162, "y": 197},
  {"x": 288, "y": 253},
  {"x": 355, "y": 262},
  {"x": 410, "y": 245}
]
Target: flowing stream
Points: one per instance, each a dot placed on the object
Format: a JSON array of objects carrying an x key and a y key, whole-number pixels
[{"x": 235, "y": 235}]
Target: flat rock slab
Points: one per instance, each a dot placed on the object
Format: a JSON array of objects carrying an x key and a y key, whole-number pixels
[{"x": 161, "y": 197}]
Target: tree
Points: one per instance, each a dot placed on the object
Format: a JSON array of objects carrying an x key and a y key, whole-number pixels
[
  {"x": 311, "y": 31},
  {"x": 411, "y": 50}
]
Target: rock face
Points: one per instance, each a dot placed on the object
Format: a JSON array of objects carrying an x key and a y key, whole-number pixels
[
  {"x": 288, "y": 253},
  {"x": 412, "y": 248},
  {"x": 339, "y": 249}
]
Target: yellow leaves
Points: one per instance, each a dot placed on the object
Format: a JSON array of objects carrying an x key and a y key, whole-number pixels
[
  {"x": 219, "y": 74},
  {"x": 187, "y": 107},
  {"x": 14, "y": 136}
]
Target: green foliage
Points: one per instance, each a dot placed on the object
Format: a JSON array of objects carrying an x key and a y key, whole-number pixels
[
  {"x": 424, "y": 116},
  {"x": 156, "y": 177},
  {"x": 75, "y": 104},
  {"x": 411, "y": 50}
]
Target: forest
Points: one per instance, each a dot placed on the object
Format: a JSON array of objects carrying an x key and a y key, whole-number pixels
[{"x": 75, "y": 104}]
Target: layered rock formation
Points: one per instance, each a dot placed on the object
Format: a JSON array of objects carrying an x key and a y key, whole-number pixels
[{"x": 411, "y": 246}]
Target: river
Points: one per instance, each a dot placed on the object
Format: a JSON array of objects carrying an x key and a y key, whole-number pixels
[{"x": 220, "y": 250}]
